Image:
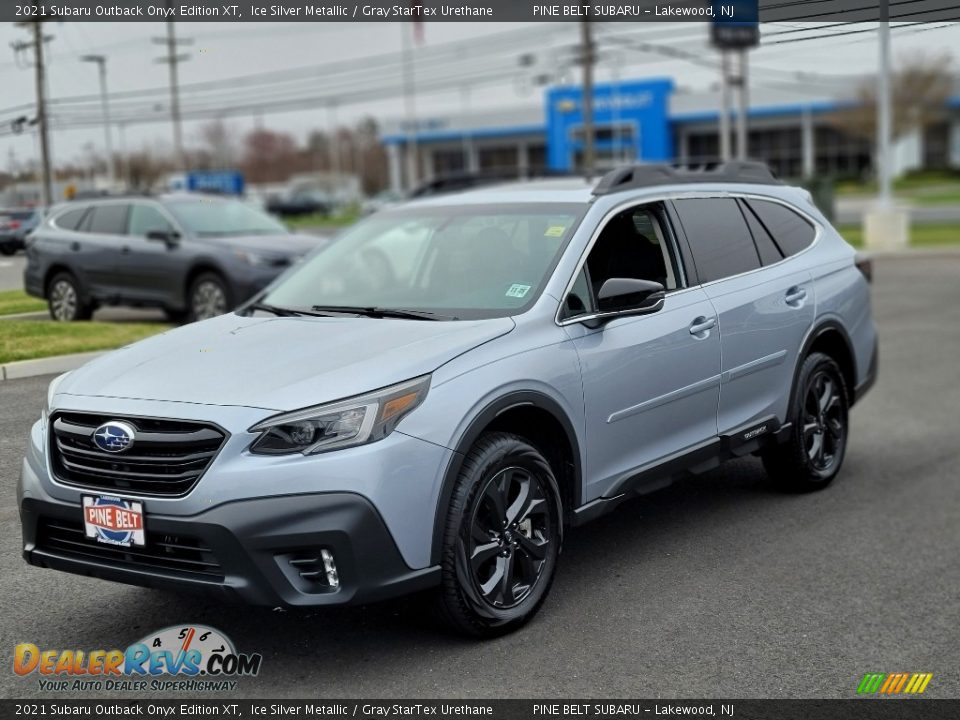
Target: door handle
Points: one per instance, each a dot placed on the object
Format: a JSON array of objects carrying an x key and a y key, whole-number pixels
[
  {"x": 795, "y": 296},
  {"x": 75, "y": 246},
  {"x": 700, "y": 326},
  {"x": 125, "y": 249}
]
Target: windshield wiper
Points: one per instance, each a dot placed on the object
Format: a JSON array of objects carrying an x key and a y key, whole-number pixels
[
  {"x": 378, "y": 312},
  {"x": 278, "y": 311}
]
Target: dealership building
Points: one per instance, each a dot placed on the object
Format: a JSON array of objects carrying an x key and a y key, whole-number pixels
[{"x": 792, "y": 126}]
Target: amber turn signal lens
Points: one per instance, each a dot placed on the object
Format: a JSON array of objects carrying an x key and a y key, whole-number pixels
[{"x": 397, "y": 405}]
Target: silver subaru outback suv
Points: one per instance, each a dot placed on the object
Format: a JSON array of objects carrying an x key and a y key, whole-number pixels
[{"x": 432, "y": 400}]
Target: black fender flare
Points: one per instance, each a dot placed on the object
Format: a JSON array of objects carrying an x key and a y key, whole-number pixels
[
  {"x": 497, "y": 407},
  {"x": 819, "y": 329}
]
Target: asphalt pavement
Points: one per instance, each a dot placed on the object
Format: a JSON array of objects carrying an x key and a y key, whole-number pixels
[{"x": 715, "y": 587}]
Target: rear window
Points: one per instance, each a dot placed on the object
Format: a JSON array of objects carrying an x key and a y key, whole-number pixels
[
  {"x": 70, "y": 220},
  {"x": 109, "y": 220},
  {"x": 719, "y": 237},
  {"x": 792, "y": 232}
]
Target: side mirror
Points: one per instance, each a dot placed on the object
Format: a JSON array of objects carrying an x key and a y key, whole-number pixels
[
  {"x": 169, "y": 237},
  {"x": 629, "y": 296}
]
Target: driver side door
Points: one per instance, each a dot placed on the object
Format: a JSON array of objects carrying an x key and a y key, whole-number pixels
[
  {"x": 152, "y": 269},
  {"x": 651, "y": 382}
]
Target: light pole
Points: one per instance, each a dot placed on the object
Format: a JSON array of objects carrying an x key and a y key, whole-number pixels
[{"x": 101, "y": 62}]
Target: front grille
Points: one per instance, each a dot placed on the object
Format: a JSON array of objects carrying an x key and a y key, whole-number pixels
[
  {"x": 180, "y": 554},
  {"x": 167, "y": 457}
]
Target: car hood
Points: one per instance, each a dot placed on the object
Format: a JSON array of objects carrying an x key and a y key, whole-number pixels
[
  {"x": 287, "y": 245},
  {"x": 278, "y": 363}
]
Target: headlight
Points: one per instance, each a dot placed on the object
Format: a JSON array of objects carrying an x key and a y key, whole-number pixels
[
  {"x": 51, "y": 391},
  {"x": 355, "y": 421},
  {"x": 258, "y": 260}
]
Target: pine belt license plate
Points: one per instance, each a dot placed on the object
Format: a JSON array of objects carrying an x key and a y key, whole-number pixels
[{"x": 113, "y": 521}]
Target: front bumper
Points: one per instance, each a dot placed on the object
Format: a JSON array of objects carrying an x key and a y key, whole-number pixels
[{"x": 242, "y": 550}]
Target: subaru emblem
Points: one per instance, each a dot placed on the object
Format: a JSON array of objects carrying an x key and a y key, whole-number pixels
[{"x": 114, "y": 436}]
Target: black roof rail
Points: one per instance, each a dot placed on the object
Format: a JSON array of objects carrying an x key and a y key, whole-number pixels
[{"x": 641, "y": 176}]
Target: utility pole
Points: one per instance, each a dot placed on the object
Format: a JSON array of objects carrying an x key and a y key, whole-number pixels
[
  {"x": 39, "y": 71},
  {"x": 885, "y": 225},
  {"x": 172, "y": 58},
  {"x": 883, "y": 108},
  {"x": 101, "y": 62},
  {"x": 586, "y": 41},
  {"x": 742, "y": 87},
  {"x": 725, "y": 106},
  {"x": 410, "y": 105}
]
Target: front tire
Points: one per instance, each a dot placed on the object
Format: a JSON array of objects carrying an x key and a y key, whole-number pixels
[
  {"x": 813, "y": 454},
  {"x": 502, "y": 537},
  {"x": 209, "y": 297},
  {"x": 65, "y": 301}
]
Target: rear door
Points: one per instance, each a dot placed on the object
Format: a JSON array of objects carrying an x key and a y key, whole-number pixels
[
  {"x": 764, "y": 303},
  {"x": 94, "y": 247}
]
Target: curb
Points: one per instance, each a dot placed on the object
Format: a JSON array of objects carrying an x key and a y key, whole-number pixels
[
  {"x": 38, "y": 315},
  {"x": 46, "y": 366},
  {"x": 913, "y": 253}
]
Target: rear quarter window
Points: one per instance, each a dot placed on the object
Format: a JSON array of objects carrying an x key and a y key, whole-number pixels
[
  {"x": 790, "y": 231},
  {"x": 70, "y": 220},
  {"x": 719, "y": 237}
]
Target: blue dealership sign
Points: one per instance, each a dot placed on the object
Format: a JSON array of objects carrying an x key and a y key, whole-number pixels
[
  {"x": 631, "y": 121},
  {"x": 221, "y": 182}
]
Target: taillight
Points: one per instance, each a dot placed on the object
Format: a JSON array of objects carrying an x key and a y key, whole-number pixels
[
  {"x": 864, "y": 264},
  {"x": 13, "y": 224}
]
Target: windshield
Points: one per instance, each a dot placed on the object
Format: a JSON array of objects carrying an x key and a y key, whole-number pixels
[
  {"x": 463, "y": 262},
  {"x": 223, "y": 217}
]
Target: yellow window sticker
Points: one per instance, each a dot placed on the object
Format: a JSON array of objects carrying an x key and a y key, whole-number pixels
[{"x": 554, "y": 231}]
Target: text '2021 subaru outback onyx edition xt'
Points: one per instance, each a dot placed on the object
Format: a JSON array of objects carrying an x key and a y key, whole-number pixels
[{"x": 434, "y": 398}]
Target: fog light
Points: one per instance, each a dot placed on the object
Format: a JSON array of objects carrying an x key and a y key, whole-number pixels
[{"x": 330, "y": 567}]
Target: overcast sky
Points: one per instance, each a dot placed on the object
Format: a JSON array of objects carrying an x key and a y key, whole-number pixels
[{"x": 223, "y": 50}]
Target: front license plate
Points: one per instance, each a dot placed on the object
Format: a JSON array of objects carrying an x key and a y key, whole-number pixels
[{"x": 113, "y": 520}]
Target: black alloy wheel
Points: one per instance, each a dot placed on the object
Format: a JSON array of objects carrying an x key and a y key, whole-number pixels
[
  {"x": 502, "y": 537},
  {"x": 811, "y": 456},
  {"x": 510, "y": 536}
]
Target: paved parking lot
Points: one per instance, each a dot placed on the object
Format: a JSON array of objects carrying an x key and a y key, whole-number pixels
[{"x": 716, "y": 586}]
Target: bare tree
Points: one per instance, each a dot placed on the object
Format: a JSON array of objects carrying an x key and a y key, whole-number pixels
[
  {"x": 921, "y": 88},
  {"x": 270, "y": 156},
  {"x": 219, "y": 143}
]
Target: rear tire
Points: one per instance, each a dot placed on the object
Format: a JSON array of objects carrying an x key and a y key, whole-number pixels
[
  {"x": 812, "y": 455},
  {"x": 502, "y": 538},
  {"x": 7, "y": 250},
  {"x": 64, "y": 300},
  {"x": 209, "y": 296}
]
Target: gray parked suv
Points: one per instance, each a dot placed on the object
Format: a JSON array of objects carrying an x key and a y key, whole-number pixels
[
  {"x": 435, "y": 398},
  {"x": 194, "y": 256}
]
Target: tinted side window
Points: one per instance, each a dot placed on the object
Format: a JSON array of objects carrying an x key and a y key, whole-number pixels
[
  {"x": 766, "y": 245},
  {"x": 70, "y": 220},
  {"x": 109, "y": 219},
  {"x": 144, "y": 218},
  {"x": 791, "y": 231},
  {"x": 718, "y": 236}
]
